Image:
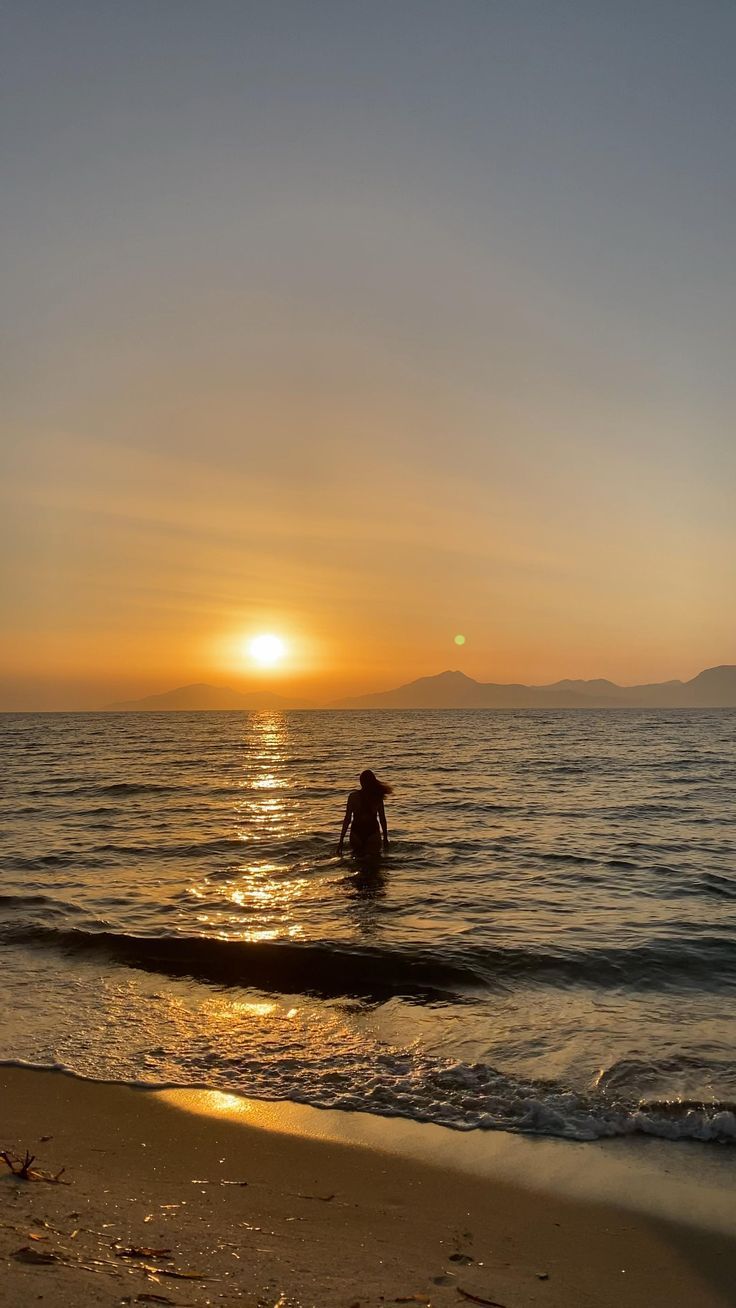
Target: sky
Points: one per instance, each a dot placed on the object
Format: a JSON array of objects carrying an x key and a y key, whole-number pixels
[{"x": 368, "y": 325}]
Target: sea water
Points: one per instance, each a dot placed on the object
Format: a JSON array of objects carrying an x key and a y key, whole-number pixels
[{"x": 549, "y": 945}]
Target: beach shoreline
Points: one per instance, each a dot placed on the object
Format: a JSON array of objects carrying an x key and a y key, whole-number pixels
[{"x": 280, "y": 1204}]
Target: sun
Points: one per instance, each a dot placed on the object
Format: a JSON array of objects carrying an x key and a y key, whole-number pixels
[{"x": 266, "y": 650}]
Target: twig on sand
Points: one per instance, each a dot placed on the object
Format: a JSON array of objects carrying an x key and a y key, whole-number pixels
[
  {"x": 151, "y": 1298},
  {"x": 477, "y": 1298},
  {"x": 140, "y": 1251},
  {"x": 136, "y": 1252},
  {"x": 39, "y": 1256},
  {"x": 22, "y": 1169},
  {"x": 218, "y": 1181},
  {"x": 175, "y": 1275}
]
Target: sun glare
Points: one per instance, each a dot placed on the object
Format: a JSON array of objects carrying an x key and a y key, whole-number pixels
[{"x": 266, "y": 650}]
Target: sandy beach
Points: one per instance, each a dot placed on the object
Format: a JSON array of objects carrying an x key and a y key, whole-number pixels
[{"x": 194, "y": 1199}]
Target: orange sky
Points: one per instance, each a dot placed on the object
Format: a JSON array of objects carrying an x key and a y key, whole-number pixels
[
  {"x": 304, "y": 338},
  {"x": 141, "y": 572}
]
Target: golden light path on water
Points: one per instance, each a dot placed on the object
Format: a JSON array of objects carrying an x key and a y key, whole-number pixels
[{"x": 262, "y": 893}]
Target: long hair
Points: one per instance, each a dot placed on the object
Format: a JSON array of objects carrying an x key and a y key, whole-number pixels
[{"x": 373, "y": 787}]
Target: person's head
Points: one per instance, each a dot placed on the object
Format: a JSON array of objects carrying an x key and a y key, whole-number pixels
[{"x": 372, "y": 786}]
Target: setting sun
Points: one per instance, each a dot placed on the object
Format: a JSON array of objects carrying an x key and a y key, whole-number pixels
[{"x": 266, "y": 650}]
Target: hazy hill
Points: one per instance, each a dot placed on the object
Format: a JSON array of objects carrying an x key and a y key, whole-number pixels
[
  {"x": 714, "y": 688},
  {"x": 202, "y": 696}
]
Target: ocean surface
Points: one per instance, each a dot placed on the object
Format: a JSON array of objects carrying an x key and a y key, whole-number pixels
[{"x": 549, "y": 946}]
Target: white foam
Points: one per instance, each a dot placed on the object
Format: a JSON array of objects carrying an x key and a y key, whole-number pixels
[{"x": 562, "y": 1115}]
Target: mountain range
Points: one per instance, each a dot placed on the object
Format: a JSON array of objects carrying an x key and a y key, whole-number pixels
[
  {"x": 713, "y": 688},
  {"x": 201, "y": 696}
]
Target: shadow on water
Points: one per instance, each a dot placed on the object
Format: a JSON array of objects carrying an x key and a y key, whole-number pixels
[
  {"x": 369, "y": 880},
  {"x": 366, "y": 886}
]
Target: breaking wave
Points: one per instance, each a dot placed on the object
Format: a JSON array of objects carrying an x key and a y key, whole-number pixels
[
  {"x": 375, "y": 972},
  {"x": 463, "y": 1097}
]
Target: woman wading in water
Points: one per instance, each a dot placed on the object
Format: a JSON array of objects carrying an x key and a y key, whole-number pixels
[{"x": 366, "y": 816}]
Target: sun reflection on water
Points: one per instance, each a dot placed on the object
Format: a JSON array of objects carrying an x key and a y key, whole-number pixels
[
  {"x": 269, "y": 782},
  {"x": 258, "y": 1007},
  {"x": 259, "y": 815},
  {"x": 257, "y": 898}
]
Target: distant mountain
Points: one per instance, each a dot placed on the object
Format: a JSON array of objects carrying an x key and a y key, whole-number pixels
[
  {"x": 200, "y": 696},
  {"x": 714, "y": 688}
]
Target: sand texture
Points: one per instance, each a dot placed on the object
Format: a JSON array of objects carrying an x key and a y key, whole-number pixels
[{"x": 160, "y": 1205}]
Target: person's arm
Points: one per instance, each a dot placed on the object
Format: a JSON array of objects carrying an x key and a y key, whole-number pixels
[
  {"x": 345, "y": 823},
  {"x": 383, "y": 822}
]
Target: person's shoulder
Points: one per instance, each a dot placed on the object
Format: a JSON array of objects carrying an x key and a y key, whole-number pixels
[{"x": 353, "y": 794}]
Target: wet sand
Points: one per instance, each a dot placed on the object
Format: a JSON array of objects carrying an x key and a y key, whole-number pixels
[{"x": 278, "y": 1205}]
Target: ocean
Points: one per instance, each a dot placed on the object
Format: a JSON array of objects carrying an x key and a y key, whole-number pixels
[{"x": 549, "y": 946}]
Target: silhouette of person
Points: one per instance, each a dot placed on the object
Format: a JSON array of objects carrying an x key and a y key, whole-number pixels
[{"x": 366, "y": 816}]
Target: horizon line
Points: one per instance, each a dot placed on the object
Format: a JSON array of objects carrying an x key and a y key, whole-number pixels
[{"x": 296, "y": 703}]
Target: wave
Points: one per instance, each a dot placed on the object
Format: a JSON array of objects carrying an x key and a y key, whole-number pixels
[
  {"x": 711, "y": 883},
  {"x": 32, "y": 900},
  {"x": 92, "y": 855},
  {"x": 325, "y": 970},
  {"x": 378, "y": 973},
  {"x": 71, "y": 787},
  {"x": 122, "y": 788},
  {"x": 461, "y": 1096},
  {"x": 307, "y": 845}
]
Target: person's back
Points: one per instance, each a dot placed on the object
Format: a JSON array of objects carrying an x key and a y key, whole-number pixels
[
  {"x": 365, "y": 813},
  {"x": 366, "y": 816}
]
